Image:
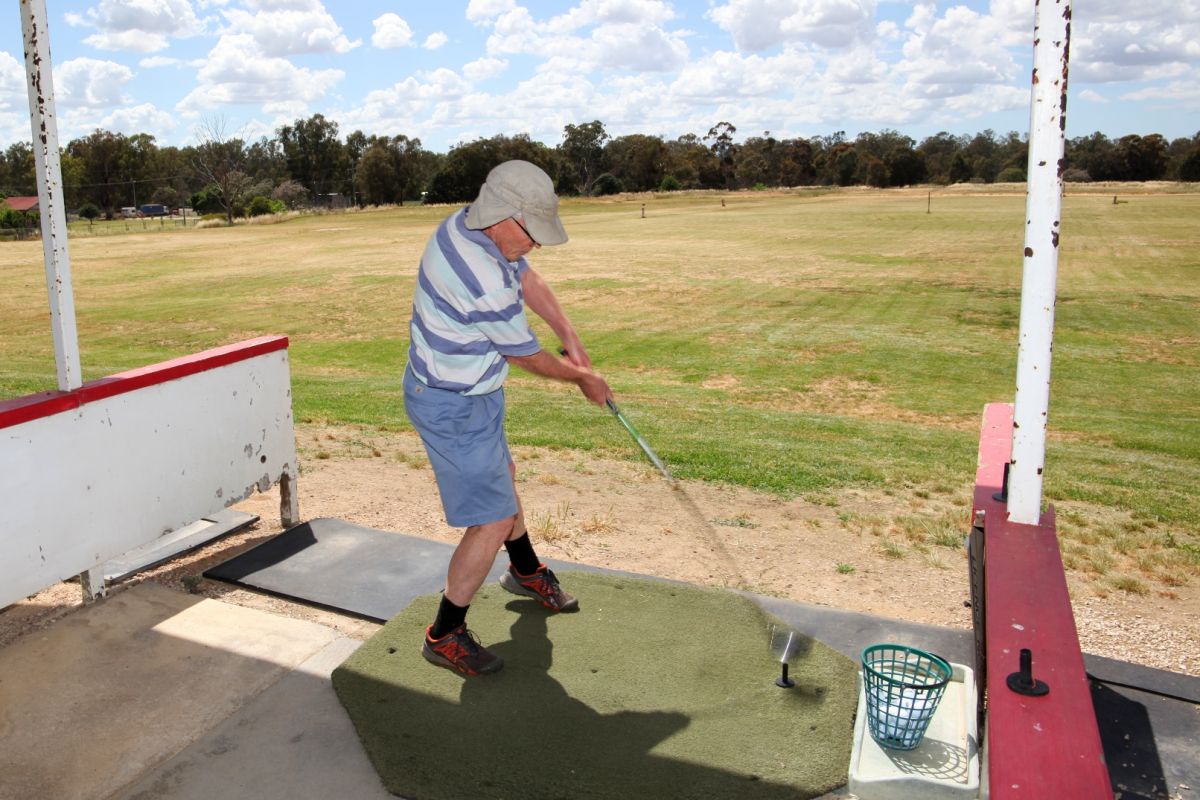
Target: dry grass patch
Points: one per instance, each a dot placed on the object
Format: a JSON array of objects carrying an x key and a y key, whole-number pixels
[
  {"x": 551, "y": 526},
  {"x": 1112, "y": 545},
  {"x": 599, "y": 523},
  {"x": 847, "y": 397}
]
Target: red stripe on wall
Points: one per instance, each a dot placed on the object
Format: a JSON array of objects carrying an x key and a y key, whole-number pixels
[{"x": 36, "y": 406}]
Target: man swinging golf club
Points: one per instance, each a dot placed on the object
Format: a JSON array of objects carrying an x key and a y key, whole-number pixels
[{"x": 468, "y": 325}]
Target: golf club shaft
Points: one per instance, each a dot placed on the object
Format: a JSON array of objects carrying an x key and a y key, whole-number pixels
[{"x": 637, "y": 437}]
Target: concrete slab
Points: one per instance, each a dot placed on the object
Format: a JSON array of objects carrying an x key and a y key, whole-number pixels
[
  {"x": 95, "y": 700},
  {"x": 292, "y": 741}
]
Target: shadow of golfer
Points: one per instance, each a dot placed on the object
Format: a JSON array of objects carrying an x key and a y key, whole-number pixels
[
  {"x": 575, "y": 745},
  {"x": 576, "y": 751}
]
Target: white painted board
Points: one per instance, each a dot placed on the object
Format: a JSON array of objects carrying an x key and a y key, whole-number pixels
[{"x": 85, "y": 485}]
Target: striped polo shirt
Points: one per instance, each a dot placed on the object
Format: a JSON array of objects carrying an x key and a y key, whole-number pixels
[{"x": 468, "y": 312}]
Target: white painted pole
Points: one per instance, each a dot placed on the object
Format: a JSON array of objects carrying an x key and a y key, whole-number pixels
[
  {"x": 51, "y": 201},
  {"x": 1043, "y": 206}
]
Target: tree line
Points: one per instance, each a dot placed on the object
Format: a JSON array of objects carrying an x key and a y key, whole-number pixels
[{"x": 309, "y": 163}]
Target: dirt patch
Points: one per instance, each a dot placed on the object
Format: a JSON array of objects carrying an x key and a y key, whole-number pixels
[{"x": 897, "y": 555}]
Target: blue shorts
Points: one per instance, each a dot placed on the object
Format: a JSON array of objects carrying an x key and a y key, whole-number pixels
[{"x": 464, "y": 438}]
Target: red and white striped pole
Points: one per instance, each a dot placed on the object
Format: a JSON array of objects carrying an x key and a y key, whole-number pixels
[
  {"x": 1043, "y": 207},
  {"x": 51, "y": 202}
]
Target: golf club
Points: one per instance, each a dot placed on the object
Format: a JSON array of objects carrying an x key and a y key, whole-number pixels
[
  {"x": 725, "y": 564},
  {"x": 637, "y": 437}
]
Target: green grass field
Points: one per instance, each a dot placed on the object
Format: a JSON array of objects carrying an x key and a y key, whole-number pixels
[{"x": 793, "y": 342}]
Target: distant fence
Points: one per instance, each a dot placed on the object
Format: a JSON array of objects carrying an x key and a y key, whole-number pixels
[
  {"x": 102, "y": 227},
  {"x": 95, "y": 472}
]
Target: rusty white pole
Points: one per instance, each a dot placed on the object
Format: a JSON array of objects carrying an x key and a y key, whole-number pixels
[
  {"x": 51, "y": 202},
  {"x": 1043, "y": 207}
]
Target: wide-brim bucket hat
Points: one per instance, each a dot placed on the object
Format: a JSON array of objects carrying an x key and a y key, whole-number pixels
[{"x": 519, "y": 188}]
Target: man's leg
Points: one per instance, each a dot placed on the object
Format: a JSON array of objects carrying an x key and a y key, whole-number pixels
[
  {"x": 473, "y": 558},
  {"x": 464, "y": 438},
  {"x": 448, "y": 643},
  {"x": 528, "y": 576}
]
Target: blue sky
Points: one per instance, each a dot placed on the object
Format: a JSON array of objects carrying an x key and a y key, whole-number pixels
[{"x": 456, "y": 70}]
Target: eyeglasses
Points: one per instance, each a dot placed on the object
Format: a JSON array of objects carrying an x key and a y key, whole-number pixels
[{"x": 525, "y": 231}]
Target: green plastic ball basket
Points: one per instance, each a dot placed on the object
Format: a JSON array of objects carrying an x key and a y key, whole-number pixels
[{"x": 903, "y": 687}]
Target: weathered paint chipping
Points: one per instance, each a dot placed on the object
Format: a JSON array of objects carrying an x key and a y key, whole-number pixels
[
  {"x": 1040, "y": 268},
  {"x": 44, "y": 129}
]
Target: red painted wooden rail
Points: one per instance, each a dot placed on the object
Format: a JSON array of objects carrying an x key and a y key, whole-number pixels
[
  {"x": 35, "y": 406},
  {"x": 1037, "y": 747}
]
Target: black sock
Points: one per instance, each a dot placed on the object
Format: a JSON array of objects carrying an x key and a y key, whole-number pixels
[
  {"x": 449, "y": 617},
  {"x": 520, "y": 553}
]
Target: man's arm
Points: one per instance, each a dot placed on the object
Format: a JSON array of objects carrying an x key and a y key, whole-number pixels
[
  {"x": 594, "y": 387},
  {"x": 540, "y": 298}
]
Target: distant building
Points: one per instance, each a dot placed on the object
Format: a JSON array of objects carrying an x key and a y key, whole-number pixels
[
  {"x": 23, "y": 204},
  {"x": 332, "y": 201},
  {"x": 22, "y": 226}
]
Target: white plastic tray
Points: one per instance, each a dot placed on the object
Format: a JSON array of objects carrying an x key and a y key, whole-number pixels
[{"x": 945, "y": 766}]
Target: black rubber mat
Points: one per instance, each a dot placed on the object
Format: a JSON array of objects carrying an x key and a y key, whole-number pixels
[{"x": 327, "y": 562}]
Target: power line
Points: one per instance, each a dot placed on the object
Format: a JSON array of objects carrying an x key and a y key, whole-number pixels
[{"x": 129, "y": 182}]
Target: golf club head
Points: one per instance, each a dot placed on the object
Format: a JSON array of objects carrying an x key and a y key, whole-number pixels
[{"x": 786, "y": 643}]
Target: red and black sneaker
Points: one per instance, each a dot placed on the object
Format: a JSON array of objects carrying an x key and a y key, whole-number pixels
[
  {"x": 541, "y": 586},
  {"x": 460, "y": 651}
]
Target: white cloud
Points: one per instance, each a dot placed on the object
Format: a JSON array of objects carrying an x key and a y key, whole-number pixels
[
  {"x": 285, "y": 5},
  {"x": 153, "y": 62},
  {"x": 483, "y": 68},
  {"x": 758, "y": 25},
  {"x": 443, "y": 84},
  {"x": 143, "y": 118},
  {"x": 12, "y": 83},
  {"x": 479, "y": 11},
  {"x": 612, "y": 12},
  {"x": 440, "y": 100},
  {"x": 887, "y": 30},
  {"x": 238, "y": 72},
  {"x": 725, "y": 76},
  {"x": 287, "y": 109},
  {"x": 1092, "y": 97},
  {"x": 92, "y": 83},
  {"x": 14, "y": 102},
  {"x": 391, "y": 31},
  {"x": 435, "y": 40},
  {"x": 860, "y": 66},
  {"x": 256, "y": 129},
  {"x": 289, "y": 27},
  {"x": 14, "y": 127},
  {"x": 1180, "y": 95},
  {"x": 132, "y": 41},
  {"x": 956, "y": 53},
  {"x": 624, "y": 35},
  {"x": 140, "y": 26},
  {"x": 1144, "y": 46},
  {"x": 1015, "y": 16},
  {"x": 641, "y": 48}
]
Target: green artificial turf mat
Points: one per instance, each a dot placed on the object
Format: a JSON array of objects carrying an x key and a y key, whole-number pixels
[{"x": 653, "y": 689}]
